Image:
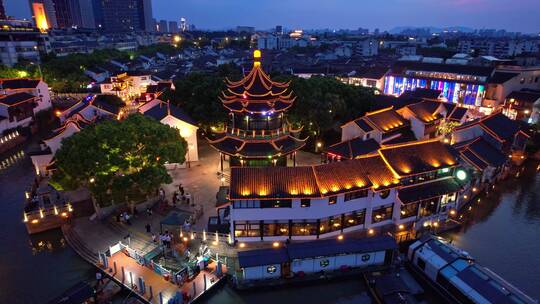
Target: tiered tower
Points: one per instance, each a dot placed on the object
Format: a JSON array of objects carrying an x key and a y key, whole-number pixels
[{"x": 257, "y": 132}]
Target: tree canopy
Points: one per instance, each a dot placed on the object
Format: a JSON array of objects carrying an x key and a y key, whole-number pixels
[
  {"x": 322, "y": 104},
  {"x": 119, "y": 161}
]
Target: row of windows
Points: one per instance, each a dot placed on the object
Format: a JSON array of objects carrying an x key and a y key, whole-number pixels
[
  {"x": 306, "y": 227},
  {"x": 304, "y": 203}
]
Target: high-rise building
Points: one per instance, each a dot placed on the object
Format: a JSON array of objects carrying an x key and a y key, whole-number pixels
[
  {"x": 163, "y": 28},
  {"x": 88, "y": 19},
  {"x": 43, "y": 13},
  {"x": 173, "y": 27},
  {"x": 68, "y": 13},
  {"x": 2, "y": 10},
  {"x": 123, "y": 15},
  {"x": 279, "y": 30},
  {"x": 183, "y": 24},
  {"x": 146, "y": 16}
]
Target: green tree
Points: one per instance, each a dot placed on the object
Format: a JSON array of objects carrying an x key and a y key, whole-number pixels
[{"x": 119, "y": 161}]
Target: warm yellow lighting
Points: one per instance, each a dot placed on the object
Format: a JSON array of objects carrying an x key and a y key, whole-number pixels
[
  {"x": 177, "y": 38},
  {"x": 41, "y": 213},
  {"x": 40, "y": 16},
  {"x": 58, "y": 113},
  {"x": 242, "y": 245},
  {"x": 185, "y": 239},
  {"x": 425, "y": 224},
  {"x": 275, "y": 244},
  {"x": 35, "y": 221},
  {"x": 452, "y": 212},
  {"x": 371, "y": 231},
  {"x": 319, "y": 144},
  {"x": 55, "y": 210},
  {"x": 64, "y": 214},
  {"x": 474, "y": 189},
  {"x": 25, "y": 217},
  {"x": 214, "y": 243},
  {"x": 340, "y": 237},
  {"x": 257, "y": 54},
  {"x": 204, "y": 235},
  {"x": 401, "y": 227},
  {"x": 435, "y": 224},
  {"x": 27, "y": 195}
]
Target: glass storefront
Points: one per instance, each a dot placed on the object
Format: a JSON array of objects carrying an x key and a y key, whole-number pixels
[{"x": 456, "y": 92}]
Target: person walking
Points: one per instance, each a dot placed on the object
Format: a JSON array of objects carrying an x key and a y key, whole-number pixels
[
  {"x": 148, "y": 228},
  {"x": 99, "y": 278}
]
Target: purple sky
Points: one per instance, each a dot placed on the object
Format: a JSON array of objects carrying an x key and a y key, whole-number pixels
[{"x": 512, "y": 15}]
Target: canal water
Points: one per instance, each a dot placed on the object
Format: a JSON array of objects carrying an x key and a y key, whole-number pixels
[{"x": 505, "y": 237}]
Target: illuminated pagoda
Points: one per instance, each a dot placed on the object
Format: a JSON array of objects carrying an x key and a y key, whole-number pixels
[{"x": 257, "y": 132}]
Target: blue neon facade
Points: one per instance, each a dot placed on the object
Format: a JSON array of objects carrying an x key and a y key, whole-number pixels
[{"x": 456, "y": 92}]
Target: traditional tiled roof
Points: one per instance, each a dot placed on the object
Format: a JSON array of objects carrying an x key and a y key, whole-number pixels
[
  {"x": 482, "y": 154},
  {"x": 400, "y": 67},
  {"x": 101, "y": 103},
  {"x": 310, "y": 181},
  {"x": 417, "y": 157},
  {"x": 524, "y": 96},
  {"x": 496, "y": 125},
  {"x": 17, "y": 98},
  {"x": 257, "y": 93},
  {"x": 357, "y": 174},
  {"x": 249, "y": 148},
  {"x": 501, "y": 77},
  {"x": 353, "y": 148},
  {"x": 384, "y": 120},
  {"x": 162, "y": 110},
  {"x": 415, "y": 193},
  {"x": 159, "y": 87},
  {"x": 457, "y": 113},
  {"x": 426, "y": 111},
  {"x": 15, "y": 84},
  {"x": 77, "y": 119},
  {"x": 273, "y": 182}
]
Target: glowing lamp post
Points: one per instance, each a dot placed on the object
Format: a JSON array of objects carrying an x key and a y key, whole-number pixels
[{"x": 461, "y": 175}]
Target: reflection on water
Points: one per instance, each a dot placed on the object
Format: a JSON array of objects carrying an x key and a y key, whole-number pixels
[
  {"x": 342, "y": 291},
  {"x": 33, "y": 269},
  {"x": 504, "y": 232}
]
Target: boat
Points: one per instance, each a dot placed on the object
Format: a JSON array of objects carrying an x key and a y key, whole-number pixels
[{"x": 457, "y": 277}]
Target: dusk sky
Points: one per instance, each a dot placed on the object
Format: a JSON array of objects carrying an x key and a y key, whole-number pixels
[{"x": 512, "y": 15}]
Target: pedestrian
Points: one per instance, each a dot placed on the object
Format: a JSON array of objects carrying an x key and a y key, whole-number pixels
[
  {"x": 161, "y": 193},
  {"x": 175, "y": 198},
  {"x": 154, "y": 238},
  {"x": 126, "y": 216},
  {"x": 162, "y": 239},
  {"x": 148, "y": 228},
  {"x": 118, "y": 217},
  {"x": 99, "y": 278},
  {"x": 121, "y": 217},
  {"x": 149, "y": 211}
]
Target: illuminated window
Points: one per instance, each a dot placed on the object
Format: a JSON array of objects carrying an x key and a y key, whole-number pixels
[
  {"x": 355, "y": 195},
  {"x": 366, "y": 257},
  {"x": 384, "y": 194},
  {"x": 304, "y": 203},
  {"x": 332, "y": 200},
  {"x": 271, "y": 269},
  {"x": 382, "y": 213},
  {"x": 409, "y": 210},
  {"x": 276, "y": 203}
]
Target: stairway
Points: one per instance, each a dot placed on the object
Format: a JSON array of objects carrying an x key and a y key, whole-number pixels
[{"x": 75, "y": 242}]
